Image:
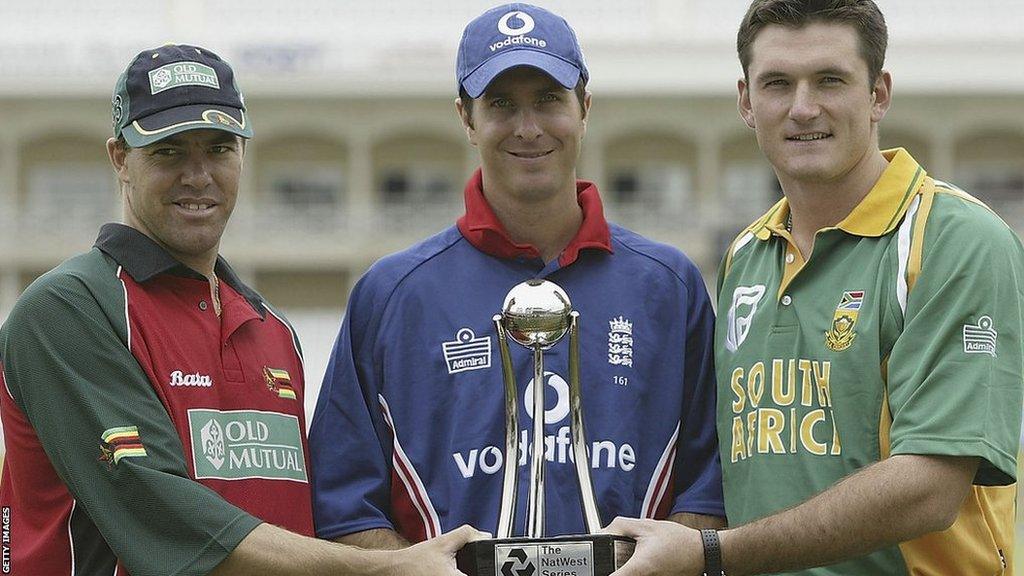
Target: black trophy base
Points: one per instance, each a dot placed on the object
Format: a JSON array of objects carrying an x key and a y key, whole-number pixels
[{"x": 588, "y": 555}]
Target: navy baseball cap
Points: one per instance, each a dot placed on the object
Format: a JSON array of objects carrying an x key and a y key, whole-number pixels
[
  {"x": 513, "y": 35},
  {"x": 175, "y": 88}
]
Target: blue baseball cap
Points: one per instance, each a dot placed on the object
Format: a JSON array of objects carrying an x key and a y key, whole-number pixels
[
  {"x": 513, "y": 35},
  {"x": 175, "y": 88}
]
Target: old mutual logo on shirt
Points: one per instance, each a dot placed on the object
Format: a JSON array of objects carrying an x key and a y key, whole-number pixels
[
  {"x": 840, "y": 335},
  {"x": 242, "y": 444}
]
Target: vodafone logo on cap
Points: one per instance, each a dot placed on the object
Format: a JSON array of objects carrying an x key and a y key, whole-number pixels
[
  {"x": 515, "y": 37},
  {"x": 525, "y": 28}
]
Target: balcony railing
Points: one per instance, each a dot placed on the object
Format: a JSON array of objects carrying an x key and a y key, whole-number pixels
[{"x": 335, "y": 235}]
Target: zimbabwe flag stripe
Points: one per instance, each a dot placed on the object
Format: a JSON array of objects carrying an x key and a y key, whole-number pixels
[
  {"x": 120, "y": 433},
  {"x": 280, "y": 374},
  {"x": 122, "y": 440},
  {"x": 131, "y": 446},
  {"x": 286, "y": 393},
  {"x": 125, "y": 452}
]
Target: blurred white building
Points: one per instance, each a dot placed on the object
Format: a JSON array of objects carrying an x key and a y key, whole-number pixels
[{"x": 358, "y": 151}]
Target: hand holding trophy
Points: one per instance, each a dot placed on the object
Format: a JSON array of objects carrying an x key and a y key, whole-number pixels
[{"x": 537, "y": 314}]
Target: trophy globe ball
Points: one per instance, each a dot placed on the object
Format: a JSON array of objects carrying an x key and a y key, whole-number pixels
[{"x": 536, "y": 313}]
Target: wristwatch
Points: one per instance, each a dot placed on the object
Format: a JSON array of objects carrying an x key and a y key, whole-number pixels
[{"x": 712, "y": 553}]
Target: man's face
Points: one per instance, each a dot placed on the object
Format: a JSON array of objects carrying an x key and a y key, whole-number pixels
[
  {"x": 810, "y": 101},
  {"x": 180, "y": 191},
  {"x": 528, "y": 129}
]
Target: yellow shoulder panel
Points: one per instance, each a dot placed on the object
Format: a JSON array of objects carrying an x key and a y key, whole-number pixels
[{"x": 980, "y": 541}]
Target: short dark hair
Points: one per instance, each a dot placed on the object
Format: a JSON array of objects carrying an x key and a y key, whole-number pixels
[
  {"x": 467, "y": 102},
  {"x": 863, "y": 15}
]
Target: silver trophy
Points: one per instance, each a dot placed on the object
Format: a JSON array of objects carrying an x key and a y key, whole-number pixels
[{"x": 537, "y": 314}]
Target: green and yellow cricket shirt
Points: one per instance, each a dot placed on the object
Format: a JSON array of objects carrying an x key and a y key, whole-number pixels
[
  {"x": 144, "y": 432},
  {"x": 901, "y": 334}
]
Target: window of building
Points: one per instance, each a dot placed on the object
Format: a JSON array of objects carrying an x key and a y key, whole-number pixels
[
  {"x": 747, "y": 184},
  {"x": 990, "y": 166},
  {"x": 650, "y": 171},
  {"x": 305, "y": 186},
  {"x": 419, "y": 176},
  {"x": 417, "y": 183},
  {"x": 67, "y": 187},
  {"x": 652, "y": 184},
  {"x": 76, "y": 194},
  {"x": 994, "y": 182},
  {"x": 751, "y": 184}
]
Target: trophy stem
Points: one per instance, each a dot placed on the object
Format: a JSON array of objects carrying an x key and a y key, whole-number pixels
[
  {"x": 535, "y": 514},
  {"x": 507, "y": 513},
  {"x": 588, "y": 499}
]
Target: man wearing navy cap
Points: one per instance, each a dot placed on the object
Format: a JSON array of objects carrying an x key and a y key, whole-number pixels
[
  {"x": 408, "y": 435},
  {"x": 152, "y": 402}
]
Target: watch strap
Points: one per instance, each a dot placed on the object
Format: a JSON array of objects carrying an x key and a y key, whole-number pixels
[{"x": 712, "y": 553}]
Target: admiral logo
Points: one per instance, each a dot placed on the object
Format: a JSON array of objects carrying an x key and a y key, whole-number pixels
[
  {"x": 195, "y": 379},
  {"x": 467, "y": 352},
  {"x": 182, "y": 74},
  {"x": 980, "y": 338},
  {"x": 516, "y": 25},
  {"x": 620, "y": 342},
  {"x": 745, "y": 300},
  {"x": 557, "y": 447},
  {"x": 242, "y": 444}
]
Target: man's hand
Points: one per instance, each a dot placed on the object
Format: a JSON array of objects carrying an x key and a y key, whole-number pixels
[
  {"x": 663, "y": 548},
  {"x": 435, "y": 557}
]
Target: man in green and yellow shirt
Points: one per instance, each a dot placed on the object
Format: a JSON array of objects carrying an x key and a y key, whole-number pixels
[{"x": 868, "y": 345}]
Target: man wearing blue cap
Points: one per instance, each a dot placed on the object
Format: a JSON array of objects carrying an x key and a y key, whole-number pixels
[
  {"x": 407, "y": 439},
  {"x": 152, "y": 403}
]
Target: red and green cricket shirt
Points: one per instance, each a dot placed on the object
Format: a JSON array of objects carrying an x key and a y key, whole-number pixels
[{"x": 144, "y": 433}]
